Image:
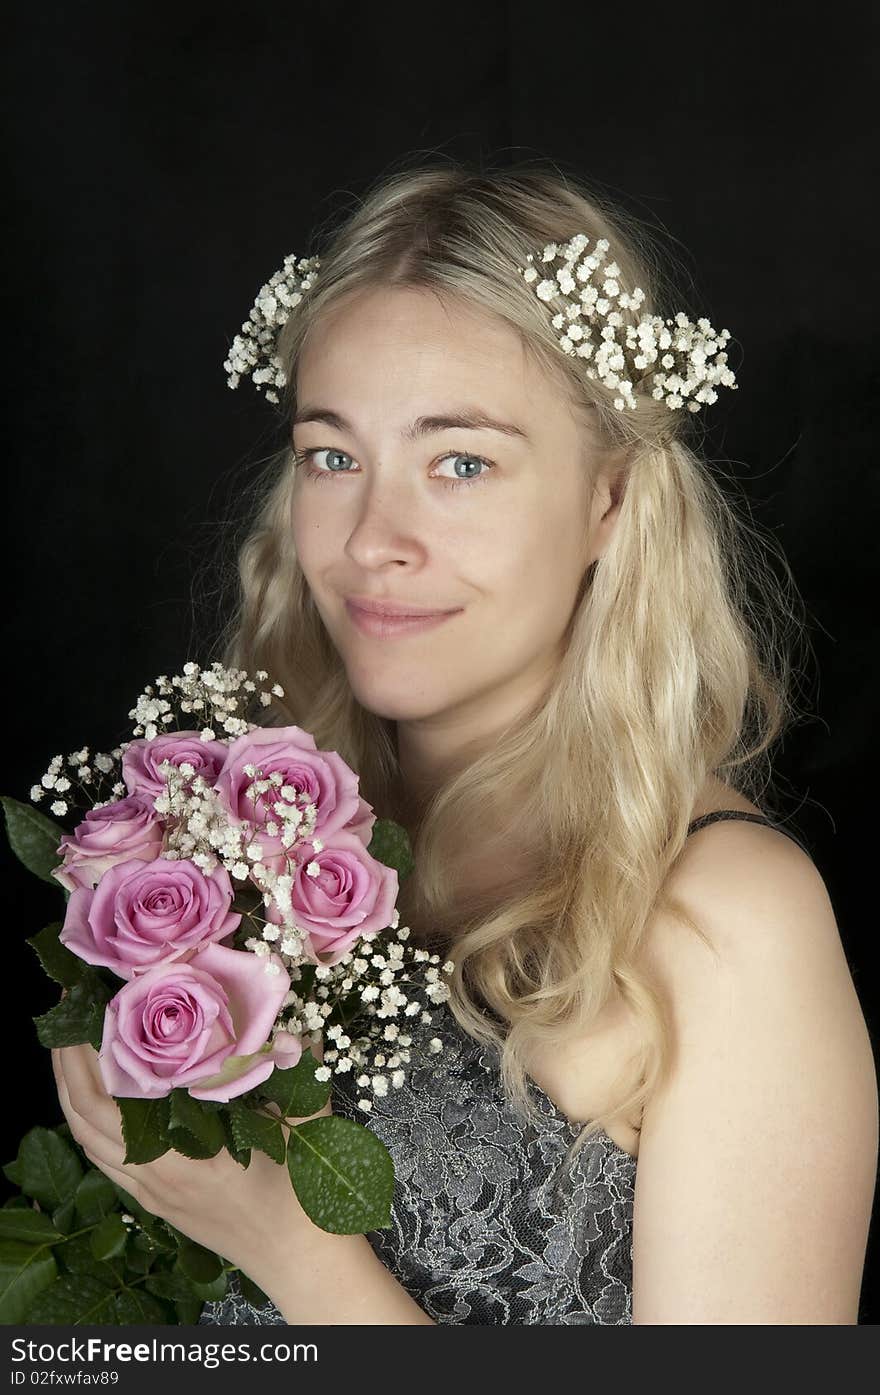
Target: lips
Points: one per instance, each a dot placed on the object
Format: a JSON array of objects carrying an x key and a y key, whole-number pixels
[
  {"x": 385, "y": 626},
  {"x": 394, "y": 610}
]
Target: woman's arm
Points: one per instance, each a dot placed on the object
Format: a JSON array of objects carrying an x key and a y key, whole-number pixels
[
  {"x": 338, "y": 1280},
  {"x": 251, "y": 1216}
]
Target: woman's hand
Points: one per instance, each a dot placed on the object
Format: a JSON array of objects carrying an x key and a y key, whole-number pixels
[{"x": 250, "y": 1216}]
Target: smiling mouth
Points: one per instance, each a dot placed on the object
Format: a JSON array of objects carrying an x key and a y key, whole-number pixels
[
  {"x": 395, "y": 610},
  {"x": 385, "y": 626}
]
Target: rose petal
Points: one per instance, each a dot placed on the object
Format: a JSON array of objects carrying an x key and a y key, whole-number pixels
[{"x": 255, "y": 997}]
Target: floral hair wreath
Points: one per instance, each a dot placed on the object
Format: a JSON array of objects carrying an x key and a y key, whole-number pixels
[
  {"x": 589, "y": 321},
  {"x": 253, "y": 350}
]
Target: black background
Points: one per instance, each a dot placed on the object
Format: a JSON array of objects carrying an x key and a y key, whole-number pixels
[{"x": 162, "y": 160}]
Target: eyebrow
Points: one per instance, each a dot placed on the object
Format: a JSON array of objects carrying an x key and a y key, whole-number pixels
[{"x": 464, "y": 418}]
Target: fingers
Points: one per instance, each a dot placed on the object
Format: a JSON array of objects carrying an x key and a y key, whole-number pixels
[
  {"x": 79, "y": 1065},
  {"x": 105, "y": 1154},
  {"x": 93, "y": 1116},
  {"x": 119, "y": 1175},
  {"x": 79, "y": 1127}
]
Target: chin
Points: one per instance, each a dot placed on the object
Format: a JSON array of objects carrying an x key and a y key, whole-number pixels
[
  {"x": 396, "y": 708},
  {"x": 396, "y": 703}
]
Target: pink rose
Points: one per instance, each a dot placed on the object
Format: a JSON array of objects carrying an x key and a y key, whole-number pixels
[
  {"x": 203, "y": 1024},
  {"x": 352, "y": 894},
  {"x": 146, "y": 913},
  {"x": 361, "y": 822},
  {"x": 141, "y": 761},
  {"x": 128, "y": 828},
  {"x": 321, "y": 775}
]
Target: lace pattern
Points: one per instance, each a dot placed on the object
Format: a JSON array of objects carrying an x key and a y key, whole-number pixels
[{"x": 486, "y": 1226}]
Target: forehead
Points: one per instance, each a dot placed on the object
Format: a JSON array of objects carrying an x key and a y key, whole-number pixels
[{"x": 401, "y": 341}]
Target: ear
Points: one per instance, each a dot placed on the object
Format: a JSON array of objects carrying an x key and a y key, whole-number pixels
[{"x": 608, "y": 495}]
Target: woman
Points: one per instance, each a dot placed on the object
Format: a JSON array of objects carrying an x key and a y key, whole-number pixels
[{"x": 577, "y": 740}]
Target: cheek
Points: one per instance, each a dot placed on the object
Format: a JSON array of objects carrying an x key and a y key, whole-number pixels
[
  {"x": 546, "y": 541},
  {"x": 313, "y": 535},
  {"x": 541, "y": 567}
]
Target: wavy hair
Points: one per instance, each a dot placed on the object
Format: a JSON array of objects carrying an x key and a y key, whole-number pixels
[{"x": 678, "y": 664}]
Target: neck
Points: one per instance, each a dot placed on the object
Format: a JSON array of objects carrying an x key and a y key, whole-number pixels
[{"x": 432, "y": 750}]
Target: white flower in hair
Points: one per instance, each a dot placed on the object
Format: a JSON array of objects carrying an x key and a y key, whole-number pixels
[
  {"x": 253, "y": 351},
  {"x": 587, "y": 317},
  {"x": 694, "y": 351}
]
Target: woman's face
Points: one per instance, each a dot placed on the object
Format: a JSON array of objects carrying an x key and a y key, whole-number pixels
[{"x": 498, "y": 525}]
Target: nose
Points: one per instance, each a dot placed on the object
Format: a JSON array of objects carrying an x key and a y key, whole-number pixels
[{"x": 387, "y": 525}]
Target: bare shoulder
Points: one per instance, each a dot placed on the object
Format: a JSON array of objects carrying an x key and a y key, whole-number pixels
[
  {"x": 763, "y": 907},
  {"x": 758, "y": 1153}
]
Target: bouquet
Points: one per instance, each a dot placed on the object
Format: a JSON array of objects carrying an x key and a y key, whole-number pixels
[{"x": 230, "y": 942}]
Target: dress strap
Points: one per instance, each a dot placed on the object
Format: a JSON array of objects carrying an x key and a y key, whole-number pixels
[{"x": 742, "y": 814}]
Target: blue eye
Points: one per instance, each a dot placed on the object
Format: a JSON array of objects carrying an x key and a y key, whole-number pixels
[
  {"x": 474, "y": 479},
  {"x": 306, "y": 457}
]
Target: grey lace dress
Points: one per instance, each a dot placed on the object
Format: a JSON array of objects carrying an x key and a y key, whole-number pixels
[{"x": 486, "y": 1225}]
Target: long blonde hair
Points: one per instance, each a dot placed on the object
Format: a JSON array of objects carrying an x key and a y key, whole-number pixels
[{"x": 678, "y": 664}]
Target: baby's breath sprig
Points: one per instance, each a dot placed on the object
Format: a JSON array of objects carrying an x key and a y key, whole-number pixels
[
  {"x": 253, "y": 351},
  {"x": 695, "y": 352},
  {"x": 216, "y": 700},
  {"x": 198, "y": 826},
  {"x": 360, "y": 1008},
  {"x": 80, "y": 779}
]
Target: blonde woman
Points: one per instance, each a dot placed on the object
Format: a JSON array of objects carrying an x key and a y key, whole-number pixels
[{"x": 656, "y": 1099}]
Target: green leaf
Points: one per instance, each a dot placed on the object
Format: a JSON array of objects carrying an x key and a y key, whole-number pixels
[
  {"x": 144, "y": 1128},
  {"x": 79, "y": 1017},
  {"x": 13, "y": 1171},
  {"x": 182, "y": 1141},
  {"x": 16, "y": 1202},
  {"x": 176, "y": 1236},
  {"x": 108, "y": 1237},
  {"x": 75, "y": 1257},
  {"x": 49, "y": 1168},
  {"x": 390, "y": 844},
  {"x": 25, "y": 1270},
  {"x": 188, "y": 1311},
  {"x": 198, "y": 1264},
  {"x": 251, "y": 1292},
  {"x": 203, "y": 1124},
  {"x": 158, "y": 1230},
  {"x": 60, "y": 963},
  {"x": 295, "y": 1090},
  {"x": 75, "y": 1299},
  {"x": 172, "y": 1285},
  {"x": 95, "y": 1197},
  {"x": 64, "y": 1216},
  {"x": 30, "y": 1225},
  {"x": 215, "y": 1290},
  {"x": 253, "y": 1130},
  {"x": 140, "y": 1252},
  {"x": 241, "y": 1155},
  {"x": 134, "y": 1308},
  {"x": 342, "y": 1174},
  {"x": 33, "y": 838}
]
